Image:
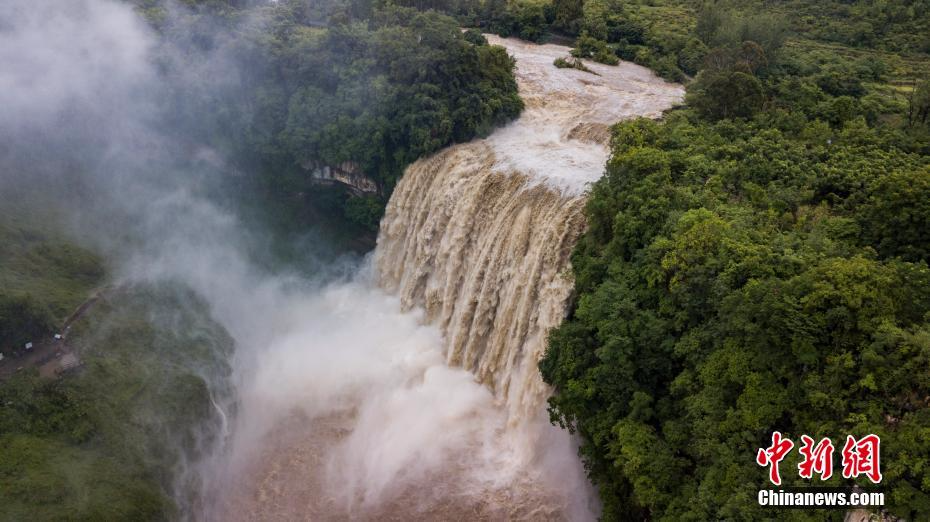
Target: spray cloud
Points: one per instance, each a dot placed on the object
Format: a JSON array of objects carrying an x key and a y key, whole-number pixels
[{"x": 343, "y": 405}]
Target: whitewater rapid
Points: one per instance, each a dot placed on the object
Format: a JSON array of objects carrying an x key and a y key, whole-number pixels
[
  {"x": 561, "y": 138},
  {"x": 411, "y": 392}
]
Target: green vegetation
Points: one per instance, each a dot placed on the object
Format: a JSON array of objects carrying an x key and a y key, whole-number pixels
[
  {"x": 644, "y": 34},
  {"x": 384, "y": 94},
  {"x": 918, "y": 106},
  {"x": 526, "y": 19},
  {"x": 732, "y": 283},
  {"x": 672, "y": 36},
  {"x": 756, "y": 261},
  {"x": 43, "y": 277},
  {"x": 901, "y": 26},
  {"x": 109, "y": 442},
  {"x": 368, "y": 90},
  {"x": 597, "y": 50},
  {"x": 654, "y": 34}
]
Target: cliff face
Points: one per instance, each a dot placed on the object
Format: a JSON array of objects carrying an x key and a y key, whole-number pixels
[{"x": 347, "y": 174}]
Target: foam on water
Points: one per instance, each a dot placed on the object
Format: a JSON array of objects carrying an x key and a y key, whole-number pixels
[{"x": 561, "y": 138}]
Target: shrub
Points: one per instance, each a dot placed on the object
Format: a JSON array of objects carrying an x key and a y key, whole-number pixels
[
  {"x": 474, "y": 36},
  {"x": 589, "y": 47},
  {"x": 571, "y": 63}
]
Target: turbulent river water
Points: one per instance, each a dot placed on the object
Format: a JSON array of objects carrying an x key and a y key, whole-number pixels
[{"x": 412, "y": 391}]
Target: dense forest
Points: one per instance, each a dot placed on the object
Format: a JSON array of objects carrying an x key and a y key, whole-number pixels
[
  {"x": 360, "y": 87},
  {"x": 757, "y": 261},
  {"x": 673, "y": 37}
]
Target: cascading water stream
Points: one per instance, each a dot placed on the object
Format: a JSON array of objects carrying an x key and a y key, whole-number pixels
[
  {"x": 412, "y": 392},
  {"x": 480, "y": 234}
]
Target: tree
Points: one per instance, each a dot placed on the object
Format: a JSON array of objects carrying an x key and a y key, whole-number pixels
[
  {"x": 568, "y": 15},
  {"x": 918, "y": 110},
  {"x": 896, "y": 215},
  {"x": 725, "y": 94}
]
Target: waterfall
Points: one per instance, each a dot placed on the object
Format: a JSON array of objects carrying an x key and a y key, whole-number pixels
[
  {"x": 486, "y": 254},
  {"x": 480, "y": 234},
  {"x": 411, "y": 392}
]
